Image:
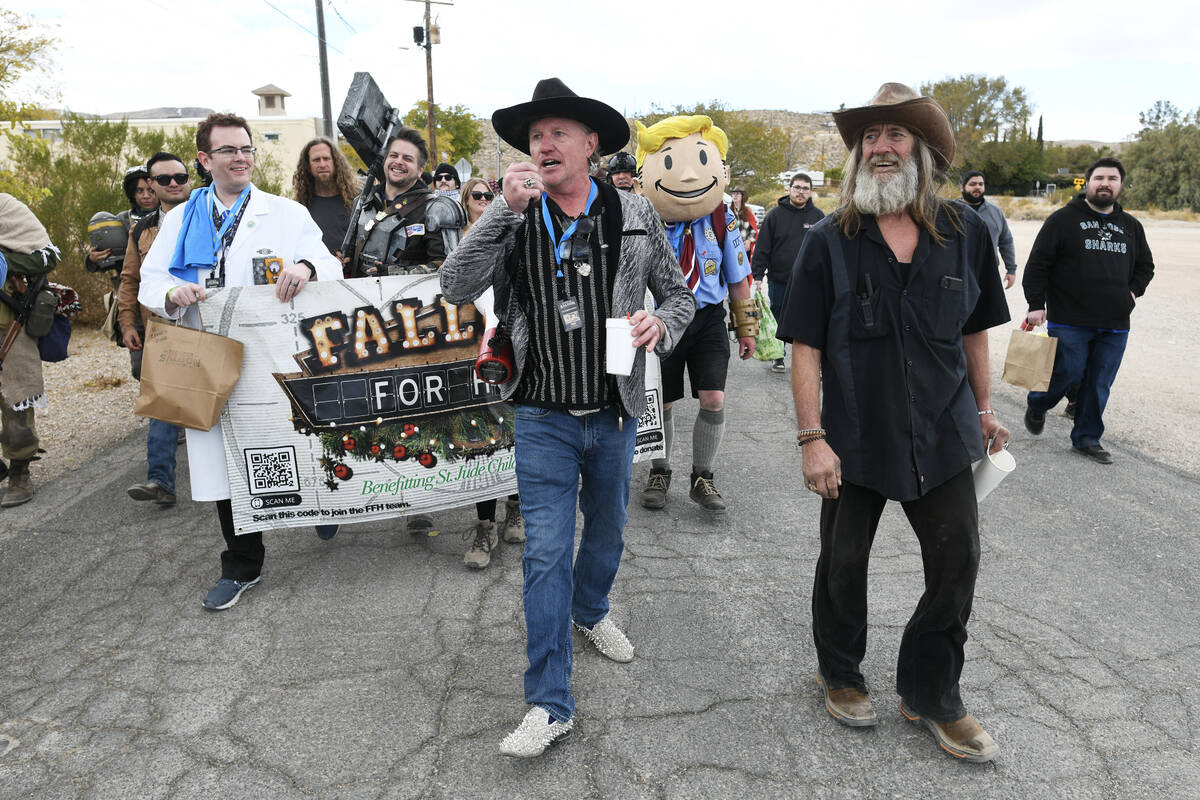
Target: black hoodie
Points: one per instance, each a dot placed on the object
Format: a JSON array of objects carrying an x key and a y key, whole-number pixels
[
  {"x": 780, "y": 236},
  {"x": 1084, "y": 265}
]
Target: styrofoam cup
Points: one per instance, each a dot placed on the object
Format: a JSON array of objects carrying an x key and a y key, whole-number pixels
[
  {"x": 990, "y": 470},
  {"x": 618, "y": 346}
]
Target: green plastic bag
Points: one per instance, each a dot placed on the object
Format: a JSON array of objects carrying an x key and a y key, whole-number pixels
[{"x": 766, "y": 346}]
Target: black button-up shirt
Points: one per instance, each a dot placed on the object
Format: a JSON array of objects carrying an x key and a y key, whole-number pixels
[{"x": 896, "y": 403}]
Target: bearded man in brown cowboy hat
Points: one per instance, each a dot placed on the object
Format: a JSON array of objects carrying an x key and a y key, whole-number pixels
[
  {"x": 564, "y": 254},
  {"x": 888, "y": 308}
]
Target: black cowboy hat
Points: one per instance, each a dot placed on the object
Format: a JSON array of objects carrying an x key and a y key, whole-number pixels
[{"x": 552, "y": 98}]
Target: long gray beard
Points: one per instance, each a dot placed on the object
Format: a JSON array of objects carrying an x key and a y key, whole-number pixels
[{"x": 886, "y": 195}]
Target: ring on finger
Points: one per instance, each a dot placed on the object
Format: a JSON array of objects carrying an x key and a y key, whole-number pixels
[
  {"x": 812, "y": 487},
  {"x": 528, "y": 183}
]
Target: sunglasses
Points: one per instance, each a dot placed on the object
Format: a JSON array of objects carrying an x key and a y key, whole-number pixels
[
  {"x": 482, "y": 195},
  {"x": 439, "y": 178},
  {"x": 165, "y": 180},
  {"x": 579, "y": 249}
]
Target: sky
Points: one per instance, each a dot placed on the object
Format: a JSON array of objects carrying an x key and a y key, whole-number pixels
[{"x": 1088, "y": 67}]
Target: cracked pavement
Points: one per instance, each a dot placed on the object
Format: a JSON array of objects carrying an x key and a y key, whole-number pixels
[{"x": 377, "y": 666}]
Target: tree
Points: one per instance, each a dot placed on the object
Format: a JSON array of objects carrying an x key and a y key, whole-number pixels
[
  {"x": 981, "y": 109},
  {"x": 1163, "y": 163},
  {"x": 757, "y": 151},
  {"x": 24, "y": 48},
  {"x": 458, "y": 134}
]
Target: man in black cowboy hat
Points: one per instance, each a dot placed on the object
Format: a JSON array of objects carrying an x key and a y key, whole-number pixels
[
  {"x": 565, "y": 253},
  {"x": 888, "y": 308}
]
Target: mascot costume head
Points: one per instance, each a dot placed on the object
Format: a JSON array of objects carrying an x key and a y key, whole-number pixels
[{"x": 682, "y": 163}]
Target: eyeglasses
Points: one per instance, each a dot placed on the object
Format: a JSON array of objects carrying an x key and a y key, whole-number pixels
[
  {"x": 230, "y": 152},
  {"x": 578, "y": 249},
  {"x": 165, "y": 180},
  {"x": 801, "y": 188},
  {"x": 482, "y": 195}
]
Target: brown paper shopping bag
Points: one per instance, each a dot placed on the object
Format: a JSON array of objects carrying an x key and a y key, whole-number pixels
[
  {"x": 1030, "y": 360},
  {"x": 187, "y": 375}
]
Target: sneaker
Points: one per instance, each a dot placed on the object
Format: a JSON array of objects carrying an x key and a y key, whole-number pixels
[
  {"x": 609, "y": 640},
  {"x": 779, "y": 366},
  {"x": 151, "y": 491},
  {"x": 1096, "y": 453},
  {"x": 849, "y": 706},
  {"x": 327, "y": 532},
  {"x": 534, "y": 734},
  {"x": 964, "y": 738},
  {"x": 655, "y": 493},
  {"x": 704, "y": 492},
  {"x": 226, "y": 593},
  {"x": 479, "y": 555},
  {"x": 514, "y": 523},
  {"x": 1034, "y": 420},
  {"x": 419, "y": 524}
]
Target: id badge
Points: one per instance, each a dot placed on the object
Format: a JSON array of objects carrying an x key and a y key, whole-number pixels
[
  {"x": 212, "y": 283},
  {"x": 568, "y": 312}
]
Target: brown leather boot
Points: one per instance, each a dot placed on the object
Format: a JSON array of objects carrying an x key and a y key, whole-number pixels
[
  {"x": 20, "y": 485},
  {"x": 964, "y": 738},
  {"x": 849, "y": 706}
]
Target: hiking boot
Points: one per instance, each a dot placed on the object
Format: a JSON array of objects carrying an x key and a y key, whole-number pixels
[
  {"x": 778, "y": 366},
  {"x": 514, "y": 523},
  {"x": 227, "y": 592},
  {"x": 20, "y": 485},
  {"x": 848, "y": 705},
  {"x": 609, "y": 640},
  {"x": 964, "y": 738},
  {"x": 655, "y": 493},
  {"x": 704, "y": 492},
  {"x": 151, "y": 491},
  {"x": 1035, "y": 421},
  {"x": 480, "y": 553},
  {"x": 534, "y": 734}
]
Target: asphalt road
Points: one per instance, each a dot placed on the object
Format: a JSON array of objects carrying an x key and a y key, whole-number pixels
[{"x": 376, "y": 666}]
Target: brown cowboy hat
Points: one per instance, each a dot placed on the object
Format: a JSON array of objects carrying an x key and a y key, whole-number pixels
[
  {"x": 552, "y": 98},
  {"x": 899, "y": 104}
]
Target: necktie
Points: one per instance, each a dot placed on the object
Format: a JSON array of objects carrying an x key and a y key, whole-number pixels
[{"x": 687, "y": 260}]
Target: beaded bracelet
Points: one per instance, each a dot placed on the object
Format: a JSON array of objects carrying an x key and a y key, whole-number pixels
[
  {"x": 987, "y": 411},
  {"x": 810, "y": 432}
]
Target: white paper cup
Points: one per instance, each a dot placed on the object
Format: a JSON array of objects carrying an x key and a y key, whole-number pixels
[
  {"x": 990, "y": 470},
  {"x": 618, "y": 346}
]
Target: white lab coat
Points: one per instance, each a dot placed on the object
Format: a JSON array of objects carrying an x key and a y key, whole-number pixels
[{"x": 271, "y": 221}]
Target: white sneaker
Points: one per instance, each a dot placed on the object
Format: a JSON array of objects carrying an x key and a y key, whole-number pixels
[
  {"x": 609, "y": 640},
  {"x": 534, "y": 734}
]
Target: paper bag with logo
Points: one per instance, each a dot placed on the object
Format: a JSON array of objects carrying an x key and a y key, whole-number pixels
[
  {"x": 1030, "y": 360},
  {"x": 187, "y": 375}
]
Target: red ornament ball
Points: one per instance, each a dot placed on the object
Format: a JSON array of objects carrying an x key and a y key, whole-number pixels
[
  {"x": 343, "y": 472},
  {"x": 399, "y": 452},
  {"x": 428, "y": 460},
  {"x": 374, "y": 449},
  {"x": 348, "y": 443},
  {"x": 409, "y": 429}
]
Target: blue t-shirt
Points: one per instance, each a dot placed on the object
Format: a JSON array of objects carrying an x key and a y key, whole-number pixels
[{"x": 717, "y": 268}]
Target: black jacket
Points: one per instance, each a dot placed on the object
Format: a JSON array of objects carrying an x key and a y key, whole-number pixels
[
  {"x": 779, "y": 239},
  {"x": 1084, "y": 265}
]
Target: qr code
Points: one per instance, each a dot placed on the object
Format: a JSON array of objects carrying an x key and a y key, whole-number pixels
[{"x": 272, "y": 470}]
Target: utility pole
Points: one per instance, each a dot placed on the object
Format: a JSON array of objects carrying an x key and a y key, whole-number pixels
[
  {"x": 323, "y": 58},
  {"x": 433, "y": 151}
]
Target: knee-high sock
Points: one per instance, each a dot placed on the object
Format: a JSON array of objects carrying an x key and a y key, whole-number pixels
[
  {"x": 706, "y": 439},
  {"x": 669, "y": 437}
]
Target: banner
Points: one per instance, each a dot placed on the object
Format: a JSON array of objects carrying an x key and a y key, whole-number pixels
[{"x": 359, "y": 401}]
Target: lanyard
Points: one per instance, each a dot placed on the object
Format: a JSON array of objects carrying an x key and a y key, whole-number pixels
[
  {"x": 223, "y": 237},
  {"x": 566, "y": 236}
]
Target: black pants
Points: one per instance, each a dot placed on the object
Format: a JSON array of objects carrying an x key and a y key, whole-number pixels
[
  {"x": 946, "y": 521},
  {"x": 243, "y": 556}
]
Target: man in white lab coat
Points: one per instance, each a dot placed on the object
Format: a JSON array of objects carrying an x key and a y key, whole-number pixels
[{"x": 210, "y": 243}]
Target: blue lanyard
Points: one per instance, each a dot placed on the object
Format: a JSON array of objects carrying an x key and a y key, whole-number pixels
[{"x": 566, "y": 237}]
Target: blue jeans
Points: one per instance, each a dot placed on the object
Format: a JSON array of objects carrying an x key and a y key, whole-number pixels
[
  {"x": 161, "y": 442},
  {"x": 776, "y": 294},
  {"x": 554, "y": 449},
  {"x": 1091, "y": 358}
]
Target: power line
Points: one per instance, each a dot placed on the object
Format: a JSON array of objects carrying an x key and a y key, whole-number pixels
[
  {"x": 301, "y": 27},
  {"x": 349, "y": 27}
]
